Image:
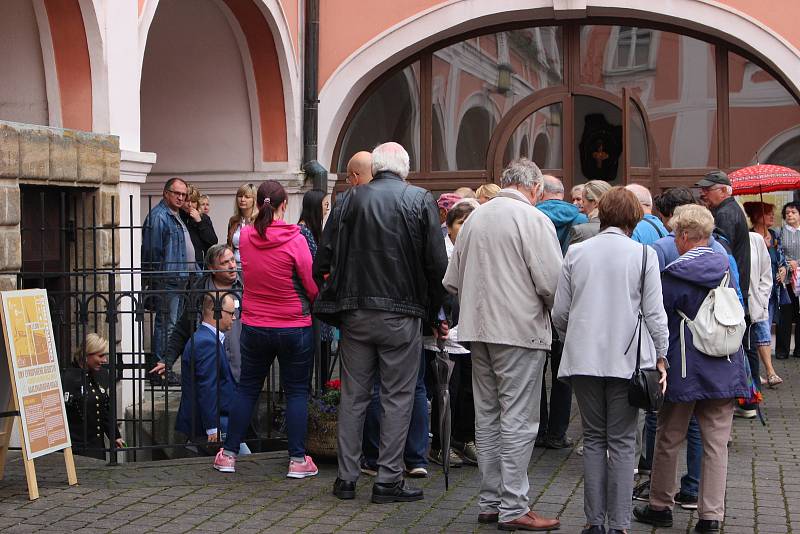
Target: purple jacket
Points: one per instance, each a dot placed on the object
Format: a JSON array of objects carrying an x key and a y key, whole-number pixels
[{"x": 685, "y": 283}]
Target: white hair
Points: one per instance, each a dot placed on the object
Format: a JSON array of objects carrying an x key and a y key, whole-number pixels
[
  {"x": 471, "y": 201},
  {"x": 642, "y": 194},
  {"x": 390, "y": 157},
  {"x": 553, "y": 185},
  {"x": 522, "y": 172}
]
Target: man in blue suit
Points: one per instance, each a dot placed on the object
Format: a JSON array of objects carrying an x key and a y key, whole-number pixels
[{"x": 207, "y": 383}]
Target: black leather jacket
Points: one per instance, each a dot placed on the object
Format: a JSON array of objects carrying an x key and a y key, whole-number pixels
[
  {"x": 382, "y": 249},
  {"x": 730, "y": 220}
]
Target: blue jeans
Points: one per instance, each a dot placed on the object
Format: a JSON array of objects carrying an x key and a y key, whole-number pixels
[
  {"x": 170, "y": 306},
  {"x": 415, "y": 453},
  {"x": 690, "y": 482},
  {"x": 295, "y": 352}
]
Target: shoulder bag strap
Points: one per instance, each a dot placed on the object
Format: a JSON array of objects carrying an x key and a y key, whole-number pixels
[
  {"x": 641, "y": 312},
  {"x": 654, "y": 225}
]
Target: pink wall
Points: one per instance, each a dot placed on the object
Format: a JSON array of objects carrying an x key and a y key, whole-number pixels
[
  {"x": 23, "y": 94},
  {"x": 195, "y": 105},
  {"x": 291, "y": 8}
]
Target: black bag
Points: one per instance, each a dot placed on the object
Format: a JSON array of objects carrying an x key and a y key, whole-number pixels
[{"x": 644, "y": 391}]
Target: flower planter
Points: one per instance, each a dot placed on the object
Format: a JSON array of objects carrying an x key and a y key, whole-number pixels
[{"x": 321, "y": 439}]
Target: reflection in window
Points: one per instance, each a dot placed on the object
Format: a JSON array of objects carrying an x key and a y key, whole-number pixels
[
  {"x": 544, "y": 126},
  {"x": 390, "y": 113},
  {"x": 598, "y": 143},
  {"x": 493, "y": 72},
  {"x": 677, "y": 89},
  {"x": 764, "y": 116},
  {"x": 637, "y": 137},
  {"x": 633, "y": 50}
]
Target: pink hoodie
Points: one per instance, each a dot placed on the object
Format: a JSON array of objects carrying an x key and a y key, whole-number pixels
[{"x": 278, "y": 289}]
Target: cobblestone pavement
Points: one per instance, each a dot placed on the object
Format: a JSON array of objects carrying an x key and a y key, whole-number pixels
[{"x": 182, "y": 495}]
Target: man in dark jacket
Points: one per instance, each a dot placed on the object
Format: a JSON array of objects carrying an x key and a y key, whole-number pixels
[
  {"x": 716, "y": 192},
  {"x": 221, "y": 279},
  {"x": 380, "y": 267}
]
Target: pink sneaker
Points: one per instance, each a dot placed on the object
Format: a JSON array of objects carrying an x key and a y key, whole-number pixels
[
  {"x": 302, "y": 470},
  {"x": 224, "y": 463}
]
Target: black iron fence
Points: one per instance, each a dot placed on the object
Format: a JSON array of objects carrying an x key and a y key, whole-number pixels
[{"x": 83, "y": 248}]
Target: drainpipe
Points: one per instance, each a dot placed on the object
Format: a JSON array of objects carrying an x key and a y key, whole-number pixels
[{"x": 312, "y": 168}]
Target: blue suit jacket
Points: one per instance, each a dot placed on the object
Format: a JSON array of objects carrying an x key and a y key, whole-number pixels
[{"x": 209, "y": 389}]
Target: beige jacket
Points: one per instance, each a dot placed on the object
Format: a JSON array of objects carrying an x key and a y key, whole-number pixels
[
  {"x": 505, "y": 270},
  {"x": 760, "y": 279}
]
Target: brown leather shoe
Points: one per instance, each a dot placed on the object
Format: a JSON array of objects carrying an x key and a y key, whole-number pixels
[
  {"x": 488, "y": 517},
  {"x": 530, "y": 521}
]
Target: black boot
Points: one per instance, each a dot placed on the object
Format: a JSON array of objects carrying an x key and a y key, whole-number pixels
[
  {"x": 394, "y": 492},
  {"x": 344, "y": 489},
  {"x": 657, "y": 518},
  {"x": 707, "y": 525}
]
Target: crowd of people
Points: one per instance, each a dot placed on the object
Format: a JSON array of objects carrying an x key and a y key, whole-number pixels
[{"x": 517, "y": 279}]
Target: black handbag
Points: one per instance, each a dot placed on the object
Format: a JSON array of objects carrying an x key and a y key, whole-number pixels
[{"x": 644, "y": 391}]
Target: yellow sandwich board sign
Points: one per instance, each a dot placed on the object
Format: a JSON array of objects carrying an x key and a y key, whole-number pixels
[{"x": 30, "y": 385}]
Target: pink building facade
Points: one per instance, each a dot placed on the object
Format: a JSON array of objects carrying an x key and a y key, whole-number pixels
[{"x": 650, "y": 91}]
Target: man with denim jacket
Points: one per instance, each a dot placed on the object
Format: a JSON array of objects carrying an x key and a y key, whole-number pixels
[{"x": 167, "y": 261}]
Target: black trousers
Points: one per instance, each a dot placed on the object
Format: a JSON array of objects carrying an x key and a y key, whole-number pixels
[
  {"x": 788, "y": 315},
  {"x": 553, "y": 425}
]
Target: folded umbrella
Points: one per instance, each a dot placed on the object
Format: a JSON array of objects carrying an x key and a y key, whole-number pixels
[{"x": 442, "y": 370}]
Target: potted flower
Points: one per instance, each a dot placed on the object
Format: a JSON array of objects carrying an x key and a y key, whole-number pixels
[{"x": 323, "y": 413}]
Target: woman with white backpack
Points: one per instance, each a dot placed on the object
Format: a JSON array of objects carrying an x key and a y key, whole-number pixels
[{"x": 700, "y": 382}]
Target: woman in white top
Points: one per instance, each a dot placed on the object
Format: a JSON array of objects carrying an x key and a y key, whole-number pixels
[
  {"x": 244, "y": 213},
  {"x": 596, "y": 309}
]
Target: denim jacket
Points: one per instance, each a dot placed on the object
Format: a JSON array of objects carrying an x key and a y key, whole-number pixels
[{"x": 164, "y": 245}]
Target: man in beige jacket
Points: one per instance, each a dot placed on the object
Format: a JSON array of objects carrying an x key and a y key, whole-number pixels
[{"x": 505, "y": 269}]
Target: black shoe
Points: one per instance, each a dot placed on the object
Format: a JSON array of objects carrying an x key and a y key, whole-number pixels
[
  {"x": 707, "y": 525},
  {"x": 558, "y": 443},
  {"x": 394, "y": 492},
  {"x": 344, "y": 489},
  {"x": 687, "y": 501},
  {"x": 156, "y": 381},
  {"x": 781, "y": 356},
  {"x": 645, "y": 514},
  {"x": 594, "y": 529},
  {"x": 795, "y": 355}
]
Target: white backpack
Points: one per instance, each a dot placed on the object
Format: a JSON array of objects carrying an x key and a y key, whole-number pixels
[{"x": 718, "y": 327}]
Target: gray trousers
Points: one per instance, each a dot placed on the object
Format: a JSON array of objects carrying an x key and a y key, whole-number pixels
[
  {"x": 506, "y": 385},
  {"x": 373, "y": 340},
  {"x": 609, "y": 443}
]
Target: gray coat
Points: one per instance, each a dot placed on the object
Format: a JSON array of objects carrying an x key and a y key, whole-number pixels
[
  {"x": 581, "y": 232},
  {"x": 597, "y": 305}
]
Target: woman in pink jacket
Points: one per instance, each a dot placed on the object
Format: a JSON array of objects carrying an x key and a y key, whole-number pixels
[{"x": 276, "y": 321}]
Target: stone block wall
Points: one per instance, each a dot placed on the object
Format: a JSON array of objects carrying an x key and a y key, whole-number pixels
[{"x": 38, "y": 155}]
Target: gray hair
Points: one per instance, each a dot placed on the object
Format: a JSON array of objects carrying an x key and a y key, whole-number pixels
[
  {"x": 390, "y": 157},
  {"x": 642, "y": 194},
  {"x": 214, "y": 252},
  {"x": 553, "y": 185},
  {"x": 522, "y": 172}
]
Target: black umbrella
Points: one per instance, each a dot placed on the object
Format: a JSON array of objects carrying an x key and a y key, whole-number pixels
[{"x": 442, "y": 370}]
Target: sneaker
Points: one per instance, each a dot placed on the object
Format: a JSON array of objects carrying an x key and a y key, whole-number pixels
[
  {"x": 224, "y": 463},
  {"x": 436, "y": 457},
  {"x": 417, "y": 472},
  {"x": 744, "y": 414},
  {"x": 467, "y": 452},
  {"x": 642, "y": 492},
  {"x": 302, "y": 469},
  {"x": 774, "y": 381},
  {"x": 368, "y": 469},
  {"x": 686, "y": 500}
]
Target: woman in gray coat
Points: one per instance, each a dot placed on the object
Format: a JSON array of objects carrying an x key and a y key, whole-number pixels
[{"x": 599, "y": 293}]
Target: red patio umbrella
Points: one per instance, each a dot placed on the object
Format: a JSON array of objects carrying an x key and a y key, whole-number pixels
[{"x": 764, "y": 179}]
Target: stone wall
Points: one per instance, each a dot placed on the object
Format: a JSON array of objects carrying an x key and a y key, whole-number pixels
[{"x": 38, "y": 155}]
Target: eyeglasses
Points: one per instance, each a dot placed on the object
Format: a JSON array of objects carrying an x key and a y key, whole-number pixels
[
  {"x": 177, "y": 193},
  {"x": 231, "y": 313}
]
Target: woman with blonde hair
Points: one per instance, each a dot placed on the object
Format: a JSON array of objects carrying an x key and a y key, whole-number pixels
[
  {"x": 201, "y": 230},
  {"x": 593, "y": 191},
  {"x": 244, "y": 213},
  {"x": 487, "y": 192},
  {"x": 86, "y": 399}
]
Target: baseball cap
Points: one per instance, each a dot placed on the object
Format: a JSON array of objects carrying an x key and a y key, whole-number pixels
[{"x": 714, "y": 178}]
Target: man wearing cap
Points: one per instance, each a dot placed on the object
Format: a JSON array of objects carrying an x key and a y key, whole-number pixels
[{"x": 716, "y": 193}]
